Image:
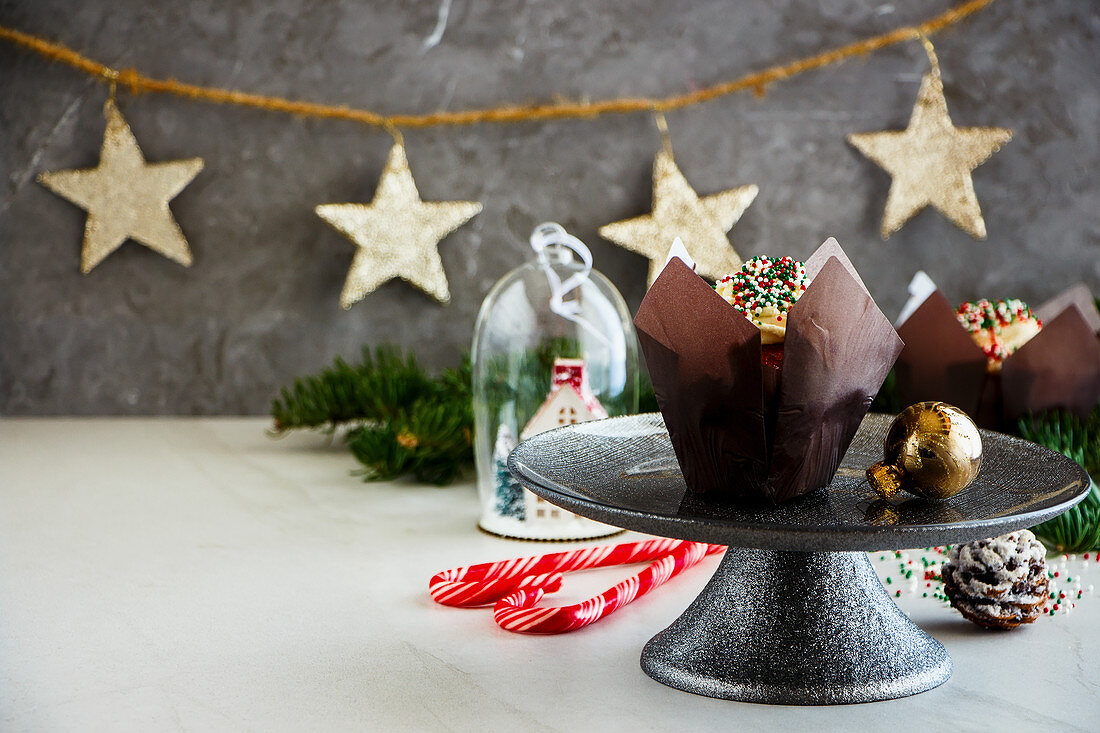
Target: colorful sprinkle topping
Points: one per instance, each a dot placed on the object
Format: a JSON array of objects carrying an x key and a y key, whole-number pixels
[
  {"x": 764, "y": 282},
  {"x": 992, "y": 317}
]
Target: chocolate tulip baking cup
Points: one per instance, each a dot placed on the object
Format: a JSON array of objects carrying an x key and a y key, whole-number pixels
[
  {"x": 1058, "y": 369},
  {"x": 743, "y": 431}
]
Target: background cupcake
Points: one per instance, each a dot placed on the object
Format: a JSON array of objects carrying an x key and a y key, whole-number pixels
[{"x": 999, "y": 360}]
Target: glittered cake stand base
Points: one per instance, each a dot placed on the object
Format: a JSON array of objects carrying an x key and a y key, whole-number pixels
[{"x": 796, "y": 628}]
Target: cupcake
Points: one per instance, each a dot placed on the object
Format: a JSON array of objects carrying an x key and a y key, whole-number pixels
[
  {"x": 764, "y": 378},
  {"x": 1000, "y": 360}
]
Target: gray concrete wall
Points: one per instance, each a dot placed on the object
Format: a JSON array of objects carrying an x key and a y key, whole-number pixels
[{"x": 259, "y": 306}]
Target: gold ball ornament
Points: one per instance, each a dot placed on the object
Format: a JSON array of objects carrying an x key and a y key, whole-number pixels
[{"x": 932, "y": 450}]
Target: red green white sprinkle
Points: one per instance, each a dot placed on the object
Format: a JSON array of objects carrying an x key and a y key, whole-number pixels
[
  {"x": 993, "y": 316},
  {"x": 764, "y": 282}
]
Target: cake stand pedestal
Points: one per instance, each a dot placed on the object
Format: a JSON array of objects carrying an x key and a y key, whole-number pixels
[{"x": 795, "y": 613}]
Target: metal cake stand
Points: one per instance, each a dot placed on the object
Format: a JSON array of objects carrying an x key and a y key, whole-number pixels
[{"x": 795, "y": 613}]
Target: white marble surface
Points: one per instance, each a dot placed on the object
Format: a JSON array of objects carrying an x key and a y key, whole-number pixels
[{"x": 194, "y": 574}]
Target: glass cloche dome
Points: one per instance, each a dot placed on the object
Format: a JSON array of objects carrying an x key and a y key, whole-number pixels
[{"x": 554, "y": 345}]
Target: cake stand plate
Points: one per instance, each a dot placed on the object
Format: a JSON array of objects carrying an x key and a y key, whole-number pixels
[{"x": 795, "y": 613}]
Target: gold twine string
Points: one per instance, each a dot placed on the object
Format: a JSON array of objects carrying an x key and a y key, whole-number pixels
[{"x": 756, "y": 82}]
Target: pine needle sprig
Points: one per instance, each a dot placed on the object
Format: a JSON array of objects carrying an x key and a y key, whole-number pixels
[
  {"x": 1068, "y": 434},
  {"x": 376, "y": 389},
  {"x": 430, "y": 439},
  {"x": 433, "y": 443},
  {"x": 1077, "y": 530},
  {"x": 400, "y": 420}
]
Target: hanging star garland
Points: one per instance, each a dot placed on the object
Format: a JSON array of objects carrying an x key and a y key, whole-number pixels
[
  {"x": 397, "y": 234},
  {"x": 125, "y": 197},
  {"x": 931, "y": 160},
  {"x": 701, "y": 222}
]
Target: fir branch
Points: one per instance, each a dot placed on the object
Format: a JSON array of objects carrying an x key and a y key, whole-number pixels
[
  {"x": 401, "y": 420},
  {"x": 431, "y": 439},
  {"x": 375, "y": 389},
  {"x": 1077, "y": 530},
  {"x": 1068, "y": 434}
]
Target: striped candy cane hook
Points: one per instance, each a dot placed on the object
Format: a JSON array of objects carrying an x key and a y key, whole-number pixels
[
  {"x": 515, "y": 586},
  {"x": 487, "y": 583},
  {"x": 517, "y": 612}
]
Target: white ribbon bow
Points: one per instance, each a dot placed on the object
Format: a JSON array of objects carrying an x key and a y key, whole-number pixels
[{"x": 550, "y": 234}]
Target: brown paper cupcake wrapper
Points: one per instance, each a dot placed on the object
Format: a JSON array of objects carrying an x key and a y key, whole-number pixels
[{"x": 742, "y": 431}]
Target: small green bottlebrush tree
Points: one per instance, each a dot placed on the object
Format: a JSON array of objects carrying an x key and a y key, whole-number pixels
[{"x": 508, "y": 492}]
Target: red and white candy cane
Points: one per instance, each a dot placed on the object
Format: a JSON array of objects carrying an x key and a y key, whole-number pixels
[
  {"x": 487, "y": 583},
  {"x": 516, "y": 585},
  {"x": 517, "y": 612}
]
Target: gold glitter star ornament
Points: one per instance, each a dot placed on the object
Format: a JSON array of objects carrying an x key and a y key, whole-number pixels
[
  {"x": 700, "y": 222},
  {"x": 930, "y": 161},
  {"x": 397, "y": 234},
  {"x": 125, "y": 197}
]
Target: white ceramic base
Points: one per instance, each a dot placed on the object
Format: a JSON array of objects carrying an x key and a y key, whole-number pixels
[{"x": 572, "y": 528}]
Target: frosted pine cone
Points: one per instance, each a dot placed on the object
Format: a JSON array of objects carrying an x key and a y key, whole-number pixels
[{"x": 998, "y": 583}]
